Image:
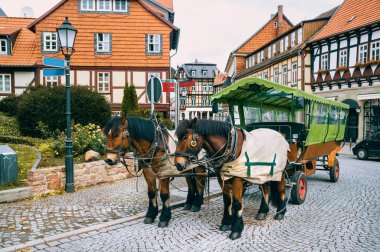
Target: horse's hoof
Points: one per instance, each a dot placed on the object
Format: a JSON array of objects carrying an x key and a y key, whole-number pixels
[
  {"x": 163, "y": 224},
  {"x": 225, "y": 227},
  {"x": 148, "y": 220},
  {"x": 279, "y": 216},
  {"x": 187, "y": 206},
  {"x": 235, "y": 235},
  {"x": 195, "y": 208},
  {"x": 261, "y": 216}
]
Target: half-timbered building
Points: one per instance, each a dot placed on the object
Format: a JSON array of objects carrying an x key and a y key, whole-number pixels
[{"x": 345, "y": 58}]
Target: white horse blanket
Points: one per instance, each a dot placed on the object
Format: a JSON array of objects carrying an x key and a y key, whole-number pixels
[{"x": 263, "y": 158}]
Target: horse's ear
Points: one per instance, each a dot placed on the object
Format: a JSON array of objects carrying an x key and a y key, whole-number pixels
[{"x": 192, "y": 123}]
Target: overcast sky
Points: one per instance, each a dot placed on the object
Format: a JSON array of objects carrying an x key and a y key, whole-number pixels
[{"x": 210, "y": 29}]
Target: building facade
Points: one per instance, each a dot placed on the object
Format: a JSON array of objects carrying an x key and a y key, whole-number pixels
[
  {"x": 118, "y": 41},
  {"x": 345, "y": 58},
  {"x": 195, "y": 101}
]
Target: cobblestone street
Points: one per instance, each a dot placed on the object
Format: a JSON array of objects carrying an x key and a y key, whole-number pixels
[{"x": 335, "y": 217}]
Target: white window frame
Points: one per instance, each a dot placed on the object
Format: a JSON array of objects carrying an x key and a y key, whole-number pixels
[
  {"x": 204, "y": 87},
  {"x": 50, "y": 41},
  {"x": 286, "y": 43},
  {"x": 51, "y": 80},
  {"x": 193, "y": 101},
  {"x": 193, "y": 73},
  {"x": 293, "y": 39},
  {"x": 3, "y": 47},
  {"x": 269, "y": 52},
  {"x": 324, "y": 61},
  {"x": 104, "y": 3},
  {"x": 154, "y": 40},
  {"x": 284, "y": 73},
  {"x": 299, "y": 35},
  {"x": 204, "y": 72},
  {"x": 363, "y": 53},
  {"x": 85, "y": 5},
  {"x": 275, "y": 75},
  {"x": 282, "y": 45},
  {"x": 294, "y": 74},
  {"x": 375, "y": 50},
  {"x": 204, "y": 101},
  {"x": 104, "y": 84},
  {"x": 120, "y": 2},
  {"x": 103, "y": 45},
  {"x": 274, "y": 49},
  {"x": 343, "y": 57},
  {"x": 210, "y": 87},
  {"x": 194, "y": 88},
  {"x": 262, "y": 55},
  {"x": 2, "y": 84}
]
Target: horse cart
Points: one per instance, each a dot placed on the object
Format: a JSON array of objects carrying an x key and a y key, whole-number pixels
[{"x": 312, "y": 125}]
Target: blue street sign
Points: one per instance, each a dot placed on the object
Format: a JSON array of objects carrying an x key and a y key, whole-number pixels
[
  {"x": 53, "y": 72},
  {"x": 53, "y": 62}
]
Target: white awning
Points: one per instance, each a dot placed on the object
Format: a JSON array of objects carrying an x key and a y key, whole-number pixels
[{"x": 364, "y": 97}]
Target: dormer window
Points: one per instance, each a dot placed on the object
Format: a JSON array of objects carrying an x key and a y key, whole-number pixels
[
  {"x": 269, "y": 52},
  {"x": 193, "y": 73},
  {"x": 275, "y": 24},
  {"x": 281, "y": 45},
  {"x": 204, "y": 72},
  {"x": 3, "y": 47},
  {"x": 49, "y": 42},
  {"x": 104, "y": 5},
  {"x": 299, "y": 35},
  {"x": 286, "y": 43}
]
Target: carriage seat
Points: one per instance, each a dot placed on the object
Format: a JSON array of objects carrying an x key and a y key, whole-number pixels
[{"x": 292, "y": 131}]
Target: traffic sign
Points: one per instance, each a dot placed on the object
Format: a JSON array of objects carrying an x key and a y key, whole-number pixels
[
  {"x": 157, "y": 89},
  {"x": 53, "y": 72},
  {"x": 168, "y": 86},
  {"x": 53, "y": 62}
]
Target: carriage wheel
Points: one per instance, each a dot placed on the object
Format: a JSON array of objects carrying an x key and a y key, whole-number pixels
[
  {"x": 299, "y": 190},
  {"x": 334, "y": 171}
]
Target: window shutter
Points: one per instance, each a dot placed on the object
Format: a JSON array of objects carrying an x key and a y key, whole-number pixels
[
  {"x": 42, "y": 42},
  {"x": 9, "y": 47},
  {"x": 110, "y": 43},
  {"x": 95, "y": 42},
  {"x": 146, "y": 44},
  {"x": 160, "y": 43}
]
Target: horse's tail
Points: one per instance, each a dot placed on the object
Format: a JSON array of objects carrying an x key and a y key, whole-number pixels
[{"x": 275, "y": 195}]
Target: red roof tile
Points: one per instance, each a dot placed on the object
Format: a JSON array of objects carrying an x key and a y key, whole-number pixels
[{"x": 351, "y": 15}]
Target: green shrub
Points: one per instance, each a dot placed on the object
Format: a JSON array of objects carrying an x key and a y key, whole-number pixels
[
  {"x": 41, "y": 112},
  {"x": 8, "y": 126},
  {"x": 8, "y": 105},
  {"x": 84, "y": 138}
]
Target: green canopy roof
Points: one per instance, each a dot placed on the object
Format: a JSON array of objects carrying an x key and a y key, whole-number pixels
[{"x": 250, "y": 91}]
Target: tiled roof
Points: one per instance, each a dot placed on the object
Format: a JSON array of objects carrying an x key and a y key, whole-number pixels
[
  {"x": 199, "y": 67},
  {"x": 8, "y": 30},
  {"x": 351, "y": 15},
  {"x": 222, "y": 79},
  {"x": 15, "y": 22},
  {"x": 327, "y": 14},
  {"x": 23, "y": 50}
]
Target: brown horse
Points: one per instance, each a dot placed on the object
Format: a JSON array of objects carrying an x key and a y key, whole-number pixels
[
  {"x": 223, "y": 145},
  {"x": 144, "y": 136}
]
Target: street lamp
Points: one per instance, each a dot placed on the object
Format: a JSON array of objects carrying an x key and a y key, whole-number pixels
[{"x": 66, "y": 35}]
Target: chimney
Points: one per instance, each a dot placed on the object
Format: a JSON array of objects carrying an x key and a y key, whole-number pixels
[{"x": 280, "y": 20}]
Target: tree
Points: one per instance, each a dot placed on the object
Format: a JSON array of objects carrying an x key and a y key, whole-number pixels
[
  {"x": 124, "y": 103},
  {"x": 133, "y": 102}
]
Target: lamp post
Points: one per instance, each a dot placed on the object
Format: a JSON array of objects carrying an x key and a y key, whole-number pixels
[{"x": 66, "y": 35}]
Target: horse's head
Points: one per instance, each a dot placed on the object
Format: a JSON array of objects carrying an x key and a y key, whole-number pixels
[
  {"x": 190, "y": 143},
  {"x": 118, "y": 140}
]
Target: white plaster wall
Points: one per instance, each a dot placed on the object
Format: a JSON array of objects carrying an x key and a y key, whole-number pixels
[
  {"x": 41, "y": 78},
  {"x": 139, "y": 79},
  {"x": 63, "y": 79},
  {"x": 108, "y": 97},
  {"x": 118, "y": 95},
  {"x": 139, "y": 92},
  {"x": 118, "y": 79},
  {"x": 83, "y": 78},
  {"x": 316, "y": 64},
  {"x": 352, "y": 60},
  {"x": 22, "y": 79},
  {"x": 333, "y": 59}
]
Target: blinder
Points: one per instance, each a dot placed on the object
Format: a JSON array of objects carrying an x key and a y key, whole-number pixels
[{"x": 119, "y": 150}]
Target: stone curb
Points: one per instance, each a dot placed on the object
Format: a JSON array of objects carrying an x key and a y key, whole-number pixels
[
  {"x": 92, "y": 228},
  {"x": 11, "y": 195}
]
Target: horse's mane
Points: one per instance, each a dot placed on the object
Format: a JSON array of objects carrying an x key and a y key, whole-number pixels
[
  {"x": 205, "y": 128},
  {"x": 138, "y": 128}
]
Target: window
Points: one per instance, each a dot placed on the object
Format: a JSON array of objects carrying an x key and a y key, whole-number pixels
[
  {"x": 343, "y": 57},
  {"x": 120, "y": 5},
  {"x": 294, "y": 74},
  {"x": 204, "y": 72},
  {"x": 286, "y": 43},
  {"x": 371, "y": 117},
  {"x": 193, "y": 72},
  {"x": 299, "y": 35},
  {"x": 193, "y": 88},
  {"x": 259, "y": 76},
  {"x": 104, "y": 5},
  {"x": 293, "y": 39},
  {"x": 51, "y": 80},
  {"x": 262, "y": 55},
  {"x": 210, "y": 87},
  {"x": 3, "y": 46},
  {"x": 154, "y": 43},
  {"x": 375, "y": 50},
  {"x": 103, "y": 82},
  {"x": 281, "y": 45},
  {"x": 247, "y": 63},
  {"x": 5, "y": 83},
  {"x": 193, "y": 103},
  {"x": 363, "y": 53},
  {"x": 183, "y": 101},
  {"x": 324, "y": 62},
  {"x": 275, "y": 75},
  {"x": 50, "y": 42},
  {"x": 204, "y": 101},
  {"x": 269, "y": 52},
  {"x": 284, "y": 75},
  {"x": 274, "y": 49},
  {"x": 103, "y": 42},
  {"x": 275, "y": 24},
  {"x": 87, "y": 5},
  {"x": 265, "y": 76},
  {"x": 204, "y": 87}
]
